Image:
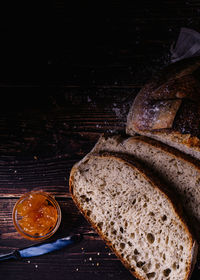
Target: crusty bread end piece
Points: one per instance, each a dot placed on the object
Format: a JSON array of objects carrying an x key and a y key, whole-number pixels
[
  {"x": 167, "y": 108},
  {"x": 132, "y": 213}
]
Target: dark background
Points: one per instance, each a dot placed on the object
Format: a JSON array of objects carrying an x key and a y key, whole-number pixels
[{"x": 68, "y": 74}]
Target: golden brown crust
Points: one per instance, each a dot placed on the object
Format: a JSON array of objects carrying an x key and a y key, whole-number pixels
[
  {"x": 170, "y": 105},
  {"x": 194, "y": 255},
  {"x": 150, "y": 177}
]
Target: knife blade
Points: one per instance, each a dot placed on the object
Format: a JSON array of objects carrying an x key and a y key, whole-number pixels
[{"x": 42, "y": 248}]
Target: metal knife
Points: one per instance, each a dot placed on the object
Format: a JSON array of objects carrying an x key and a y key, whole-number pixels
[{"x": 42, "y": 248}]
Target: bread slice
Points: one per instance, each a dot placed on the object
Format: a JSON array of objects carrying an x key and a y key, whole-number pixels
[
  {"x": 131, "y": 211},
  {"x": 180, "y": 172},
  {"x": 183, "y": 142}
]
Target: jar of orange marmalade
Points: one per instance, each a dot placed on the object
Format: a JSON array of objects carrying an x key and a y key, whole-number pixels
[{"x": 36, "y": 215}]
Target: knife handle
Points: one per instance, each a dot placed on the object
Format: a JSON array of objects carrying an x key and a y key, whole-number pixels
[
  {"x": 42, "y": 248},
  {"x": 13, "y": 255}
]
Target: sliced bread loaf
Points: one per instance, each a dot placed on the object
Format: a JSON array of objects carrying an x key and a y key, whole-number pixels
[
  {"x": 131, "y": 211},
  {"x": 180, "y": 171}
]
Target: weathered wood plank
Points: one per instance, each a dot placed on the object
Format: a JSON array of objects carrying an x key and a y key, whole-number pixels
[
  {"x": 67, "y": 268},
  {"x": 38, "y": 148},
  {"x": 72, "y": 222},
  {"x": 69, "y": 125}
]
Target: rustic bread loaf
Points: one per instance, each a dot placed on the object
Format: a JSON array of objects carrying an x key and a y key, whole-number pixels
[
  {"x": 133, "y": 214},
  {"x": 181, "y": 172},
  {"x": 168, "y": 107}
]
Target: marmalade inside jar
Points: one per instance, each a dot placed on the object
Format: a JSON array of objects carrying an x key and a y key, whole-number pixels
[{"x": 38, "y": 216}]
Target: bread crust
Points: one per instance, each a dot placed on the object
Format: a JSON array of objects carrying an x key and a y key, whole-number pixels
[
  {"x": 167, "y": 149},
  {"x": 175, "y": 139},
  {"x": 150, "y": 177},
  {"x": 153, "y": 142},
  {"x": 169, "y": 106}
]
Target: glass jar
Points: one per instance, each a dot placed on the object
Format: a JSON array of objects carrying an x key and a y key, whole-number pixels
[{"x": 36, "y": 215}]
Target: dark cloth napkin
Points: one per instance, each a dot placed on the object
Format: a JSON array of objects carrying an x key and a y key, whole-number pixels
[{"x": 187, "y": 45}]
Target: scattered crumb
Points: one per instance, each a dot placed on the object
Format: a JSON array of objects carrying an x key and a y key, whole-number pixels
[
  {"x": 111, "y": 131},
  {"x": 85, "y": 260},
  {"x": 97, "y": 264},
  {"x": 121, "y": 111},
  {"x": 82, "y": 249},
  {"x": 98, "y": 253},
  {"x": 77, "y": 269},
  {"x": 109, "y": 254},
  {"x": 36, "y": 266},
  {"x": 28, "y": 261},
  {"x": 93, "y": 264},
  {"x": 90, "y": 259},
  {"x": 15, "y": 171},
  {"x": 89, "y": 99},
  {"x": 35, "y": 157},
  {"x": 117, "y": 112}
]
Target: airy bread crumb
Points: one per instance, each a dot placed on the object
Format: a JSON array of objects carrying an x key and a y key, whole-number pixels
[{"x": 135, "y": 217}]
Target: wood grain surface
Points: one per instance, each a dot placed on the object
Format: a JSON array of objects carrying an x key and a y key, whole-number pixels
[{"x": 99, "y": 56}]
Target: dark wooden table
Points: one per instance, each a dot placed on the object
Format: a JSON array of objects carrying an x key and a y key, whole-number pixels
[{"x": 98, "y": 58}]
